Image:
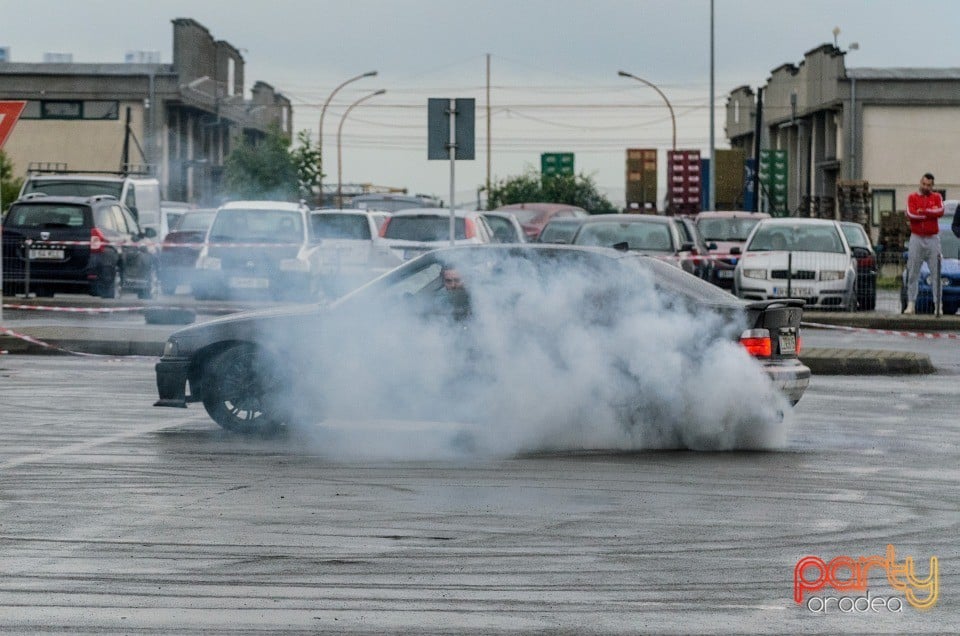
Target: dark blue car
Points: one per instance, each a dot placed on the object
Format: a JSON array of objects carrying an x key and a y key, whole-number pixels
[{"x": 949, "y": 274}]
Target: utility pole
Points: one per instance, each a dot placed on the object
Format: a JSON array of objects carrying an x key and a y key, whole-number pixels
[
  {"x": 757, "y": 132},
  {"x": 488, "y": 130}
]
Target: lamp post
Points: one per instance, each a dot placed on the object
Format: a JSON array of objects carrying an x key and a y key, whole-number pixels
[
  {"x": 673, "y": 119},
  {"x": 320, "y": 131},
  {"x": 339, "y": 147}
]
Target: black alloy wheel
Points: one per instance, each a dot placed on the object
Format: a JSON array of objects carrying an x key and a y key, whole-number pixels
[{"x": 239, "y": 391}]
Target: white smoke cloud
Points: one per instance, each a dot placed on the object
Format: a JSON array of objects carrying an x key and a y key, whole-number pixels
[{"x": 562, "y": 366}]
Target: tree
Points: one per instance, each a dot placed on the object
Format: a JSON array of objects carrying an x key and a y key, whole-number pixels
[
  {"x": 532, "y": 187},
  {"x": 307, "y": 159},
  {"x": 265, "y": 170},
  {"x": 9, "y": 186}
]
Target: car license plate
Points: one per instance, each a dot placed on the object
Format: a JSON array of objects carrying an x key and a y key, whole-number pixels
[
  {"x": 795, "y": 292},
  {"x": 249, "y": 283},
  {"x": 788, "y": 343},
  {"x": 724, "y": 273},
  {"x": 36, "y": 255}
]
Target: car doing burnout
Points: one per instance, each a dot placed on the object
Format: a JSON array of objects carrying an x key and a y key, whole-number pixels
[{"x": 404, "y": 344}]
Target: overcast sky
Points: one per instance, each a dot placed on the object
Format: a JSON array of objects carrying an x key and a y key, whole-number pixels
[{"x": 554, "y": 63}]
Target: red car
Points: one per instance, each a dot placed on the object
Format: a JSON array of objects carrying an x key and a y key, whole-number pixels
[
  {"x": 178, "y": 255},
  {"x": 533, "y": 216}
]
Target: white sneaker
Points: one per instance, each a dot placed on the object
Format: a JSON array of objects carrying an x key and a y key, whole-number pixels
[
  {"x": 910, "y": 308},
  {"x": 938, "y": 312}
]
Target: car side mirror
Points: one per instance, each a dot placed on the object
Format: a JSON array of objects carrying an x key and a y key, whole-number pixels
[
  {"x": 860, "y": 252},
  {"x": 711, "y": 246},
  {"x": 736, "y": 250},
  {"x": 149, "y": 233},
  {"x": 686, "y": 247}
]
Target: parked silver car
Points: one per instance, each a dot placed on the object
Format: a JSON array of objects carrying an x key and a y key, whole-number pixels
[{"x": 412, "y": 232}]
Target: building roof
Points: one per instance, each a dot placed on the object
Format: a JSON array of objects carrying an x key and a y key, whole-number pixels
[
  {"x": 73, "y": 68},
  {"x": 867, "y": 73}
]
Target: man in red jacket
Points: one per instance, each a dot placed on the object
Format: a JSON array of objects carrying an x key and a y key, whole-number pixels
[{"x": 924, "y": 209}]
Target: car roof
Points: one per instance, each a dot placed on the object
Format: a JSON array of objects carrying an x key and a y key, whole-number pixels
[
  {"x": 731, "y": 214},
  {"x": 626, "y": 218},
  {"x": 796, "y": 220},
  {"x": 262, "y": 205},
  {"x": 63, "y": 198},
  {"x": 543, "y": 207},
  {"x": 433, "y": 212}
]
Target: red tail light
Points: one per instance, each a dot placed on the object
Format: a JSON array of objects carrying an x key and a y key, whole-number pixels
[
  {"x": 758, "y": 343},
  {"x": 97, "y": 240},
  {"x": 469, "y": 228},
  {"x": 383, "y": 228}
]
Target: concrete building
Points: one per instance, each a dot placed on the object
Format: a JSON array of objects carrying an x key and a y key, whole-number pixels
[
  {"x": 178, "y": 120},
  {"x": 842, "y": 126}
]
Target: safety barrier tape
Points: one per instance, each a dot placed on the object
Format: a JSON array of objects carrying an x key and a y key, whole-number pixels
[
  {"x": 73, "y": 310},
  {"x": 40, "y": 343},
  {"x": 887, "y": 332}
]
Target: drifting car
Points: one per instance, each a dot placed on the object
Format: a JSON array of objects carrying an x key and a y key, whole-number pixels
[{"x": 547, "y": 309}]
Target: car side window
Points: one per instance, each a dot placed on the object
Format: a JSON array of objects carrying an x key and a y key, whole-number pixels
[
  {"x": 103, "y": 216},
  {"x": 119, "y": 222}
]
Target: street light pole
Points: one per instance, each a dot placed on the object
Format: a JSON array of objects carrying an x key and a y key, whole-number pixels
[
  {"x": 673, "y": 119},
  {"x": 339, "y": 147},
  {"x": 320, "y": 131}
]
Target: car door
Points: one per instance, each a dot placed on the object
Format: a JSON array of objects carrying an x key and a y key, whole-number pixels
[{"x": 136, "y": 248}]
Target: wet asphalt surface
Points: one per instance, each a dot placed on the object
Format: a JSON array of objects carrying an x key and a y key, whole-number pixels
[{"x": 117, "y": 517}]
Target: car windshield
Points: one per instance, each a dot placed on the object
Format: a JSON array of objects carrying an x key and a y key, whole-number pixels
[
  {"x": 427, "y": 228},
  {"x": 949, "y": 243},
  {"x": 195, "y": 221},
  {"x": 525, "y": 215},
  {"x": 257, "y": 226},
  {"x": 73, "y": 188},
  {"x": 330, "y": 225},
  {"x": 855, "y": 235},
  {"x": 796, "y": 238},
  {"x": 726, "y": 229},
  {"x": 42, "y": 216},
  {"x": 561, "y": 231},
  {"x": 653, "y": 237}
]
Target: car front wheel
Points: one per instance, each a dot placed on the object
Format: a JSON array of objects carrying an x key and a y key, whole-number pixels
[{"x": 240, "y": 391}]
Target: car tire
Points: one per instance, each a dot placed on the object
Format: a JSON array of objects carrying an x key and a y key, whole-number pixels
[
  {"x": 113, "y": 287},
  {"x": 240, "y": 391},
  {"x": 152, "y": 289},
  {"x": 868, "y": 301}
]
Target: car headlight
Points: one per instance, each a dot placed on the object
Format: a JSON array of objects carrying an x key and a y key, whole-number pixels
[
  {"x": 944, "y": 281},
  {"x": 831, "y": 275},
  {"x": 294, "y": 265},
  {"x": 755, "y": 273},
  {"x": 171, "y": 349},
  {"x": 210, "y": 262}
]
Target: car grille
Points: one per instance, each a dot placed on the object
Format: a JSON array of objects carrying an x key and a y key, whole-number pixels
[{"x": 802, "y": 274}]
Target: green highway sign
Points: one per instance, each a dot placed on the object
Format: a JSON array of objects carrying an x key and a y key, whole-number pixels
[{"x": 556, "y": 163}]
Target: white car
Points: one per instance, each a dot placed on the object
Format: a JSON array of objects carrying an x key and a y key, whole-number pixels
[
  {"x": 410, "y": 233},
  {"x": 261, "y": 248},
  {"x": 351, "y": 251},
  {"x": 798, "y": 258}
]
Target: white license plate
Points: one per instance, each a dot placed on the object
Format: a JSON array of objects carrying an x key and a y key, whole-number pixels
[
  {"x": 795, "y": 292},
  {"x": 249, "y": 283},
  {"x": 724, "y": 273},
  {"x": 36, "y": 255},
  {"x": 788, "y": 343}
]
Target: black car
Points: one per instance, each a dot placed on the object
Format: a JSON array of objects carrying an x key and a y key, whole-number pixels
[
  {"x": 78, "y": 245},
  {"x": 560, "y": 329},
  {"x": 866, "y": 285}
]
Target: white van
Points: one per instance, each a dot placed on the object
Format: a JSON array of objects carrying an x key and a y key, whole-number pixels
[{"x": 141, "y": 194}]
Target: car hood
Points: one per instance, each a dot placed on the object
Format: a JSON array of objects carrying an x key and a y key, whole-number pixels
[
  {"x": 246, "y": 325},
  {"x": 949, "y": 267}
]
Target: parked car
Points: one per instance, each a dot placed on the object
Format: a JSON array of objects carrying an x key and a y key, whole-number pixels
[
  {"x": 506, "y": 228},
  {"x": 351, "y": 250},
  {"x": 257, "y": 371},
  {"x": 71, "y": 244},
  {"x": 560, "y": 229},
  {"x": 392, "y": 202},
  {"x": 258, "y": 249},
  {"x": 949, "y": 276},
  {"x": 181, "y": 248},
  {"x": 409, "y": 233},
  {"x": 866, "y": 256},
  {"x": 725, "y": 232},
  {"x": 798, "y": 258},
  {"x": 170, "y": 213},
  {"x": 658, "y": 236},
  {"x": 533, "y": 216},
  {"x": 698, "y": 253}
]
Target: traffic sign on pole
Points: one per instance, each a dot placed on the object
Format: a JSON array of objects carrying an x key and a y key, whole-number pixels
[{"x": 9, "y": 114}]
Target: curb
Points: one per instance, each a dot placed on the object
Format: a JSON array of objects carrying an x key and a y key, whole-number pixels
[{"x": 866, "y": 362}]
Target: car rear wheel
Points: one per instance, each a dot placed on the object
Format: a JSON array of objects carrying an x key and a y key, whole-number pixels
[
  {"x": 240, "y": 392},
  {"x": 152, "y": 288},
  {"x": 113, "y": 286}
]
